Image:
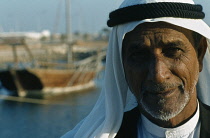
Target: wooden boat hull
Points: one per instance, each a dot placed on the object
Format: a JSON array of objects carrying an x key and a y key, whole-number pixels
[
  {"x": 62, "y": 78},
  {"x": 46, "y": 82},
  {"x": 55, "y": 91}
]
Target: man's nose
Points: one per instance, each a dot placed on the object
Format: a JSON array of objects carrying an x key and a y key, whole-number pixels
[{"x": 158, "y": 71}]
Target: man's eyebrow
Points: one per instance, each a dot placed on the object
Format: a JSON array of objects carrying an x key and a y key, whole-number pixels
[
  {"x": 135, "y": 46},
  {"x": 171, "y": 43}
]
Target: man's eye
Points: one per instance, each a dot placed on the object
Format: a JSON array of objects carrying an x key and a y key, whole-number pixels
[{"x": 172, "y": 52}]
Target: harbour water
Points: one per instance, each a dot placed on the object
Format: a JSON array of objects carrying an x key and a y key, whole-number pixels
[{"x": 29, "y": 120}]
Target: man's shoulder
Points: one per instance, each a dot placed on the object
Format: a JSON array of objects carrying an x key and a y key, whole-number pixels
[
  {"x": 129, "y": 124},
  {"x": 130, "y": 119},
  {"x": 134, "y": 112},
  {"x": 204, "y": 106},
  {"x": 205, "y": 120}
]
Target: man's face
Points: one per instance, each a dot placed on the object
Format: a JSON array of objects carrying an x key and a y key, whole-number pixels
[{"x": 161, "y": 68}]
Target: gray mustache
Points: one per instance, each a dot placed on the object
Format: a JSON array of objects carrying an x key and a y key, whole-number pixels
[{"x": 158, "y": 87}]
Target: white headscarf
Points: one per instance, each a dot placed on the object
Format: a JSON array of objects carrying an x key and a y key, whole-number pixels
[{"x": 105, "y": 119}]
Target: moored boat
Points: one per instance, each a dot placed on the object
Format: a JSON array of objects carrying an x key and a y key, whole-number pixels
[{"x": 44, "y": 75}]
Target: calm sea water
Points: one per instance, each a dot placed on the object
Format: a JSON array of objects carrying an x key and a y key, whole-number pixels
[{"x": 27, "y": 120}]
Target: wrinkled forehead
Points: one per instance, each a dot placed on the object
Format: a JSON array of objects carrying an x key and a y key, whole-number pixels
[
  {"x": 157, "y": 28},
  {"x": 194, "y": 25},
  {"x": 126, "y": 29},
  {"x": 155, "y": 34}
]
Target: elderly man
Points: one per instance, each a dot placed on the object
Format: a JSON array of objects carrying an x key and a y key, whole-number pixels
[{"x": 157, "y": 55}]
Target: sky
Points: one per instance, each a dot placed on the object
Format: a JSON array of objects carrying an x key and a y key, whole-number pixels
[{"x": 87, "y": 16}]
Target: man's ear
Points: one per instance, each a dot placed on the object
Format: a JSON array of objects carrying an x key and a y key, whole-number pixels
[{"x": 201, "y": 52}]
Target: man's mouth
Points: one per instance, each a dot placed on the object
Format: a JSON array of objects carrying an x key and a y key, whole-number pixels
[{"x": 164, "y": 93}]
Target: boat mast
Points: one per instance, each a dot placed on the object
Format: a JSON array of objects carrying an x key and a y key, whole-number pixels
[{"x": 68, "y": 33}]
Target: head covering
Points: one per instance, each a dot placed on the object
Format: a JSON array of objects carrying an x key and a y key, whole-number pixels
[{"x": 106, "y": 117}]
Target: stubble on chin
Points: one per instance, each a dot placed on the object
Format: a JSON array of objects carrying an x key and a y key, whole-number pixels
[
  {"x": 163, "y": 113},
  {"x": 161, "y": 110}
]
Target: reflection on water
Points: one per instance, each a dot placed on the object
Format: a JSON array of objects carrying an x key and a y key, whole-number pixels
[{"x": 24, "y": 120}]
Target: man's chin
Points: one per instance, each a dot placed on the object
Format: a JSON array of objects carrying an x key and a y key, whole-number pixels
[{"x": 164, "y": 109}]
